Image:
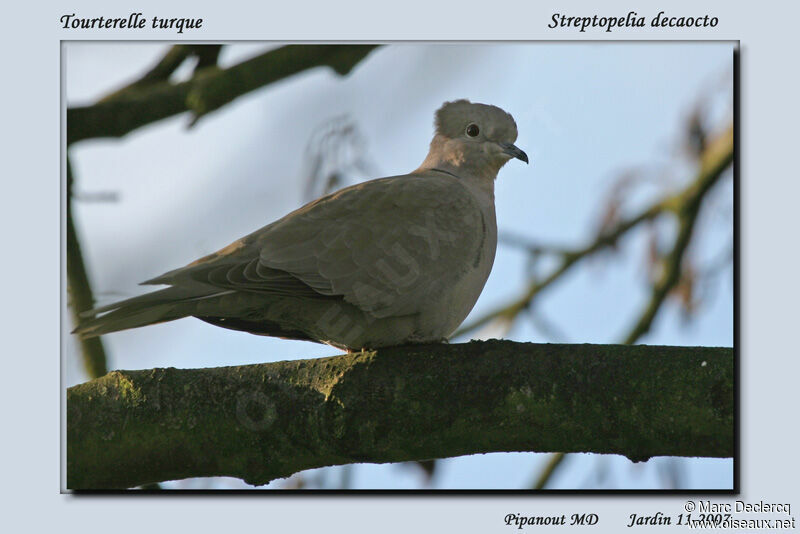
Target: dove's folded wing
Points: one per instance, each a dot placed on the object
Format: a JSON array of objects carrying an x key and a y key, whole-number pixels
[{"x": 381, "y": 246}]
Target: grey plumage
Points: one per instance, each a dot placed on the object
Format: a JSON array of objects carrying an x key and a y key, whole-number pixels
[{"x": 386, "y": 262}]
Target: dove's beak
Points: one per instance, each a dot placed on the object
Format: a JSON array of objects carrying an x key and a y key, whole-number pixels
[{"x": 513, "y": 151}]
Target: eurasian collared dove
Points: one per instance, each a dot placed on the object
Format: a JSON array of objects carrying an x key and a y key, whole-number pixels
[{"x": 386, "y": 262}]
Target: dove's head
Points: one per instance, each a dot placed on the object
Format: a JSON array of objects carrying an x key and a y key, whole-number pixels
[{"x": 473, "y": 140}]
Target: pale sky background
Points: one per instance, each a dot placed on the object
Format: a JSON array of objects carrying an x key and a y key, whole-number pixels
[{"x": 586, "y": 112}]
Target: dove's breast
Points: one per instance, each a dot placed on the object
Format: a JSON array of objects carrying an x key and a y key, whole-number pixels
[{"x": 460, "y": 293}]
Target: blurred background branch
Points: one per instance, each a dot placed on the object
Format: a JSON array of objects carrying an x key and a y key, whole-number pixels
[
  {"x": 152, "y": 97},
  {"x": 79, "y": 291},
  {"x": 684, "y": 205}
]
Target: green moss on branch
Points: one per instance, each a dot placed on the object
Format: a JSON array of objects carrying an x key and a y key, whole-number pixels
[{"x": 261, "y": 422}]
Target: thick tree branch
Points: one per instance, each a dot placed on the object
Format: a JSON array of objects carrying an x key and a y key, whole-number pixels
[
  {"x": 261, "y": 422},
  {"x": 207, "y": 90}
]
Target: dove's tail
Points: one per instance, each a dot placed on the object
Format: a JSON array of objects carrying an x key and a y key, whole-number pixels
[{"x": 156, "y": 307}]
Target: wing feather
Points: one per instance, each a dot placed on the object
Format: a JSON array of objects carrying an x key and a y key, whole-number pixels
[{"x": 381, "y": 246}]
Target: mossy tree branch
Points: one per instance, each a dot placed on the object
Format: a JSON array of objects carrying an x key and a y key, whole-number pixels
[{"x": 262, "y": 422}]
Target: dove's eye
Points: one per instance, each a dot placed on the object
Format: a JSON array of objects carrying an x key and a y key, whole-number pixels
[{"x": 473, "y": 130}]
